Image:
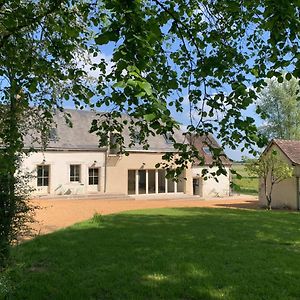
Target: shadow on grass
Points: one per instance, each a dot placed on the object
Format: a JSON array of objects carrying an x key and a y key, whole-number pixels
[
  {"x": 186, "y": 253},
  {"x": 247, "y": 205}
]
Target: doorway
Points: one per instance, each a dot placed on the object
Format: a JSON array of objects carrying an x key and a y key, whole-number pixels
[{"x": 196, "y": 187}]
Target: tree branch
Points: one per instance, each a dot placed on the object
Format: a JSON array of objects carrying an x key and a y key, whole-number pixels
[{"x": 30, "y": 21}]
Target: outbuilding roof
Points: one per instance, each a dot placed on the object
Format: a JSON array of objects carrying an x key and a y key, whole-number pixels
[{"x": 291, "y": 148}]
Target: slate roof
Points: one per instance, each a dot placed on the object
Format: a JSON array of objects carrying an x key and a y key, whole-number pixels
[
  {"x": 291, "y": 148},
  {"x": 78, "y": 137},
  {"x": 201, "y": 142}
]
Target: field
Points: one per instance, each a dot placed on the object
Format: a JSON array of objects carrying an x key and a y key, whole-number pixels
[
  {"x": 182, "y": 253},
  {"x": 247, "y": 184}
]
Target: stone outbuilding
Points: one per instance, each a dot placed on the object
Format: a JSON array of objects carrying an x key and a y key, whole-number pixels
[{"x": 285, "y": 193}]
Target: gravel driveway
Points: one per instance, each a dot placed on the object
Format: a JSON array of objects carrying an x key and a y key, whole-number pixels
[{"x": 58, "y": 213}]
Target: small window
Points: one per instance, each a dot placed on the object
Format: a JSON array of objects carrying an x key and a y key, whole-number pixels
[
  {"x": 93, "y": 176},
  {"x": 207, "y": 150},
  {"x": 74, "y": 173},
  {"x": 113, "y": 143},
  {"x": 168, "y": 138},
  {"x": 43, "y": 175},
  {"x": 53, "y": 135},
  {"x": 136, "y": 138}
]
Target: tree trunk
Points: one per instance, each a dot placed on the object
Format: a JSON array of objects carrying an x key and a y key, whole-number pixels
[
  {"x": 12, "y": 141},
  {"x": 269, "y": 200}
]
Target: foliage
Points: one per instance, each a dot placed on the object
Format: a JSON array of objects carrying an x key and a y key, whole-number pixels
[
  {"x": 162, "y": 52},
  {"x": 246, "y": 184},
  {"x": 280, "y": 103},
  {"x": 182, "y": 253},
  {"x": 217, "y": 46},
  {"x": 271, "y": 169},
  {"x": 38, "y": 44}
]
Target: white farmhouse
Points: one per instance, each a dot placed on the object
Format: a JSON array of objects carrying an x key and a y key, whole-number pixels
[{"x": 74, "y": 164}]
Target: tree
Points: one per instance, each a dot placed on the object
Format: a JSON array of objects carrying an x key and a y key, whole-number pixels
[
  {"x": 38, "y": 44},
  {"x": 215, "y": 53},
  {"x": 280, "y": 102},
  {"x": 271, "y": 169}
]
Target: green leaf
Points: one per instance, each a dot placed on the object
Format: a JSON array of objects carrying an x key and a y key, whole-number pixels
[
  {"x": 149, "y": 117},
  {"x": 120, "y": 84},
  {"x": 146, "y": 87},
  {"x": 288, "y": 76}
]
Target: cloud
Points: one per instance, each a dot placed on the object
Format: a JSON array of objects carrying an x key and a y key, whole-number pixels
[{"x": 89, "y": 64}]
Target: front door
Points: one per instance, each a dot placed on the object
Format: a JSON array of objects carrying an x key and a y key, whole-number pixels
[{"x": 196, "y": 186}]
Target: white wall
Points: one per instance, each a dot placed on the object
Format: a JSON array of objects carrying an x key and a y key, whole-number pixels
[
  {"x": 210, "y": 187},
  {"x": 285, "y": 193},
  {"x": 59, "y": 162},
  {"x": 118, "y": 166}
]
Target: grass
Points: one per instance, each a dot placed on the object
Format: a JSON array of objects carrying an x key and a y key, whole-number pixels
[
  {"x": 182, "y": 253},
  {"x": 247, "y": 185}
]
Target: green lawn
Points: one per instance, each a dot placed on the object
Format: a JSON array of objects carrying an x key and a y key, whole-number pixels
[
  {"x": 247, "y": 185},
  {"x": 182, "y": 253}
]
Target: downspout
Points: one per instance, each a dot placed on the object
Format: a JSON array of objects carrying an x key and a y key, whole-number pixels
[
  {"x": 105, "y": 170},
  {"x": 297, "y": 191}
]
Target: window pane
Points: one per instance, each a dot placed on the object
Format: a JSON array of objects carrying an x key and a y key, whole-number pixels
[
  {"x": 161, "y": 181},
  {"x": 46, "y": 171},
  {"x": 71, "y": 170},
  {"x": 180, "y": 183},
  {"x": 39, "y": 171},
  {"x": 170, "y": 186},
  {"x": 42, "y": 175},
  {"x": 39, "y": 181},
  {"x": 93, "y": 176},
  {"x": 131, "y": 182},
  {"x": 142, "y": 181},
  {"x": 151, "y": 181},
  {"x": 74, "y": 172}
]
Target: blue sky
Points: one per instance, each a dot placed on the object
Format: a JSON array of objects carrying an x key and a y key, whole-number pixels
[{"x": 182, "y": 118}]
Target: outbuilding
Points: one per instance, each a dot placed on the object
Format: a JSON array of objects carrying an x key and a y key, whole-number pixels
[{"x": 285, "y": 193}]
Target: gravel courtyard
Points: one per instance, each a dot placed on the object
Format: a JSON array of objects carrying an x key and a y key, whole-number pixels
[{"x": 58, "y": 213}]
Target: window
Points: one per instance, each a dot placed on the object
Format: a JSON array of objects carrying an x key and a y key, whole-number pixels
[
  {"x": 180, "y": 183},
  {"x": 142, "y": 181},
  {"x": 93, "y": 176},
  {"x": 171, "y": 185},
  {"x": 207, "y": 150},
  {"x": 114, "y": 147},
  {"x": 151, "y": 182},
  {"x": 53, "y": 137},
  {"x": 136, "y": 137},
  {"x": 43, "y": 175},
  {"x": 131, "y": 182},
  {"x": 74, "y": 173},
  {"x": 161, "y": 181},
  {"x": 168, "y": 138}
]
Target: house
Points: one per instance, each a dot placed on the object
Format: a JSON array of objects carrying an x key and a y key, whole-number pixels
[
  {"x": 209, "y": 186},
  {"x": 285, "y": 193},
  {"x": 74, "y": 164}
]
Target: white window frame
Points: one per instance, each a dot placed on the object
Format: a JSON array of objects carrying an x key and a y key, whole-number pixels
[
  {"x": 43, "y": 177},
  {"x": 74, "y": 177},
  {"x": 156, "y": 183},
  {"x": 93, "y": 176}
]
